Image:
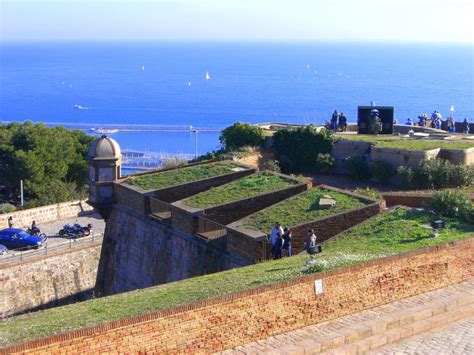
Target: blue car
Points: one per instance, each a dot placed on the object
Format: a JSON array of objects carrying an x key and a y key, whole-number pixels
[{"x": 14, "y": 238}]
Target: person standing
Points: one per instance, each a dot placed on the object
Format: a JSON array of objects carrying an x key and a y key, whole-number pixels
[
  {"x": 334, "y": 119},
  {"x": 10, "y": 222},
  {"x": 451, "y": 124},
  {"x": 277, "y": 229},
  {"x": 287, "y": 240},
  {"x": 465, "y": 126},
  {"x": 278, "y": 246},
  {"x": 310, "y": 242},
  {"x": 343, "y": 122}
]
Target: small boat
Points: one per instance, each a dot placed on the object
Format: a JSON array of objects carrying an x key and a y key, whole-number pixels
[
  {"x": 79, "y": 107},
  {"x": 143, "y": 67},
  {"x": 207, "y": 76}
]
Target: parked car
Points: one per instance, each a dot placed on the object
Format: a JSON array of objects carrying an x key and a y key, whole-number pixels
[
  {"x": 14, "y": 238},
  {"x": 3, "y": 249}
]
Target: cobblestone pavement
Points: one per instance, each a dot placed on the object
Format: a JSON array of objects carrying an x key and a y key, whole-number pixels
[
  {"x": 456, "y": 338},
  {"x": 51, "y": 229}
]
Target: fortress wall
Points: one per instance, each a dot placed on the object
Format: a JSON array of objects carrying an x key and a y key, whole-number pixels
[
  {"x": 139, "y": 251},
  {"x": 185, "y": 218},
  {"x": 346, "y": 148},
  {"x": 247, "y": 244},
  {"x": 328, "y": 227},
  {"x": 399, "y": 157},
  {"x": 55, "y": 278},
  {"x": 229, "y": 321},
  {"x": 43, "y": 214},
  {"x": 458, "y": 156},
  {"x": 179, "y": 192}
]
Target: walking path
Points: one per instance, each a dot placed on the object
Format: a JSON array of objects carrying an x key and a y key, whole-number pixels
[
  {"x": 456, "y": 338},
  {"x": 392, "y": 323}
]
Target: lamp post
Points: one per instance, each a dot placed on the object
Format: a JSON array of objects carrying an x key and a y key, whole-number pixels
[{"x": 195, "y": 131}]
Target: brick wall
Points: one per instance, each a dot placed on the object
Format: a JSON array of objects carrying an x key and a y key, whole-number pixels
[
  {"x": 179, "y": 192},
  {"x": 247, "y": 316},
  {"x": 407, "y": 199},
  {"x": 184, "y": 218},
  {"x": 43, "y": 214},
  {"x": 132, "y": 197},
  {"x": 47, "y": 280},
  {"x": 328, "y": 227}
]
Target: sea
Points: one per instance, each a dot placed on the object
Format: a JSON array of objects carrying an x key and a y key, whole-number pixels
[{"x": 181, "y": 86}]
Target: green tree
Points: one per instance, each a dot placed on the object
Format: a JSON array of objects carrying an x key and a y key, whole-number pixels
[
  {"x": 51, "y": 161},
  {"x": 240, "y": 135},
  {"x": 303, "y": 149}
]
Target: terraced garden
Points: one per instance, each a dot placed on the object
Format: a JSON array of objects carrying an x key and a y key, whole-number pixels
[
  {"x": 391, "y": 233},
  {"x": 302, "y": 208},
  {"x": 389, "y": 141},
  {"x": 245, "y": 187},
  {"x": 180, "y": 176}
]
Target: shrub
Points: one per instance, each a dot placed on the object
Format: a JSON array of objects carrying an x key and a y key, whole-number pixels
[
  {"x": 272, "y": 165},
  {"x": 324, "y": 162},
  {"x": 242, "y": 134},
  {"x": 298, "y": 148},
  {"x": 436, "y": 174},
  {"x": 372, "y": 193},
  {"x": 357, "y": 167},
  {"x": 382, "y": 171},
  {"x": 453, "y": 204},
  {"x": 7, "y": 208},
  {"x": 172, "y": 162}
]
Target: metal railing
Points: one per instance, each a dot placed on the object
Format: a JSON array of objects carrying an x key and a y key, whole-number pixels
[
  {"x": 209, "y": 229},
  {"x": 13, "y": 256},
  {"x": 160, "y": 208}
]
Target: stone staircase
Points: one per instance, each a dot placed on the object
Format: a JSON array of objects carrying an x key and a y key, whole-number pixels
[{"x": 371, "y": 329}]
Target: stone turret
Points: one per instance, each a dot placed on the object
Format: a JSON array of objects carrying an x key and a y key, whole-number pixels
[{"x": 105, "y": 160}]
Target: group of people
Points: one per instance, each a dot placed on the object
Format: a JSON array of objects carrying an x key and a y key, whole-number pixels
[
  {"x": 34, "y": 227},
  {"x": 436, "y": 121},
  {"x": 280, "y": 239},
  {"x": 338, "y": 122}
]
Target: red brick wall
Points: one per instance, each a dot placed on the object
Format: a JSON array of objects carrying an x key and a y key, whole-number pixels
[
  {"x": 247, "y": 316},
  {"x": 328, "y": 227}
]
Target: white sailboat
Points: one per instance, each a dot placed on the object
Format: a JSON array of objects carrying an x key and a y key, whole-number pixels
[
  {"x": 143, "y": 67},
  {"x": 207, "y": 76}
]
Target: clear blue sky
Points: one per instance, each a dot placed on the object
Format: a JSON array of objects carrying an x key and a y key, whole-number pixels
[{"x": 404, "y": 20}]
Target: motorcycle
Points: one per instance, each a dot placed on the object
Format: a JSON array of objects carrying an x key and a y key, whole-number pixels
[
  {"x": 36, "y": 232},
  {"x": 75, "y": 230}
]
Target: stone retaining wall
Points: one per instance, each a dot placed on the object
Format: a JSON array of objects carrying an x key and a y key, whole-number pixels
[
  {"x": 47, "y": 280},
  {"x": 184, "y": 217},
  {"x": 138, "y": 199},
  {"x": 236, "y": 319},
  {"x": 44, "y": 214},
  {"x": 250, "y": 245},
  {"x": 139, "y": 251},
  {"x": 402, "y": 157}
]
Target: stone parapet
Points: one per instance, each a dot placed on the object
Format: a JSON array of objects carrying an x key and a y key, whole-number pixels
[{"x": 43, "y": 214}]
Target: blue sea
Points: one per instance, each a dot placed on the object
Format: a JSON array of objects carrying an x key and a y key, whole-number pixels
[{"x": 164, "y": 83}]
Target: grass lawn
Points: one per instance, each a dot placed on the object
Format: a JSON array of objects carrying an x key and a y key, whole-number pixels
[
  {"x": 389, "y": 141},
  {"x": 392, "y": 233},
  {"x": 181, "y": 176},
  {"x": 246, "y": 187},
  {"x": 301, "y": 208}
]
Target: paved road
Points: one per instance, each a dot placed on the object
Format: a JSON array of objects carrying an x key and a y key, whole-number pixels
[
  {"x": 51, "y": 229},
  {"x": 456, "y": 338}
]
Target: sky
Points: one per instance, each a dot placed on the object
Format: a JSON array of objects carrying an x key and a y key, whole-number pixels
[{"x": 302, "y": 20}]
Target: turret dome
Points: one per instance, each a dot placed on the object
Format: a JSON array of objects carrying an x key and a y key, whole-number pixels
[{"x": 104, "y": 148}]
